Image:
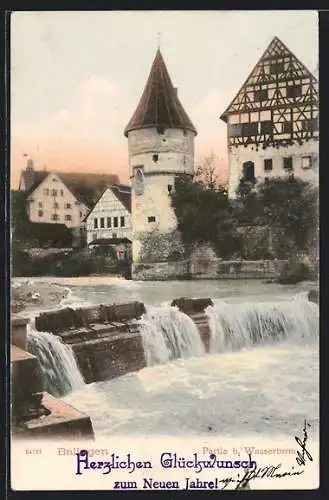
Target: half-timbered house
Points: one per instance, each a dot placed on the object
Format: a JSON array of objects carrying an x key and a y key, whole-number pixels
[{"x": 273, "y": 121}]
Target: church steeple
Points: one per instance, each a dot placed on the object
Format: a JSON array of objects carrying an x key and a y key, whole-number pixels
[{"x": 159, "y": 105}]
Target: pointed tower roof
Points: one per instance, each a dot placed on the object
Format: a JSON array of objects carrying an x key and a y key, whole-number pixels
[
  {"x": 159, "y": 105},
  {"x": 258, "y": 76}
]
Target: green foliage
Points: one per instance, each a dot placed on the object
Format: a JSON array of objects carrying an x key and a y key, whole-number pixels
[
  {"x": 205, "y": 216},
  {"x": 288, "y": 207},
  {"x": 295, "y": 271}
]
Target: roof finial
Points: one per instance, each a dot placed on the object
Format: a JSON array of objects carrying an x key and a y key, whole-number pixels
[{"x": 159, "y": 40}]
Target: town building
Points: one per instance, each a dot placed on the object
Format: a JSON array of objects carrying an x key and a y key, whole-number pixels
[
  {"x": 161, "y": 147},
  {"x": 109, "y": 222},
  {"x": 273, "y": 121},
  {"x": 61, "y": 197}
]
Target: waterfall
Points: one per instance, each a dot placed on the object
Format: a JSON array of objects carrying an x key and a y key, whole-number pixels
[
  {"x": 59, "y": 370},
  {"x": 169, "y": 334},
  {"x": 236, "y": 326}
]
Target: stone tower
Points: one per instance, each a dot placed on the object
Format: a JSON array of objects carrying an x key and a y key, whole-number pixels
[{"x": 161, "y": 147}]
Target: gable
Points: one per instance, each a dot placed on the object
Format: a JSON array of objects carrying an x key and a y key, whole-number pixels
[
  {"x": 108, "y": 202},
  {"x": 277, "y": 66}
]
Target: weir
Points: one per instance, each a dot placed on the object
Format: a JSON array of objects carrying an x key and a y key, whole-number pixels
[{"x": 70, "y": 347}]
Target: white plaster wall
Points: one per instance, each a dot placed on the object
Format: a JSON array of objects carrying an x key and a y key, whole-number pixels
[
  {"x": 77, "y": 211},
  {"x": 241, "y": 154},
  {"x": 108, "y": 206},
  {"x": 175, "y": 150}
]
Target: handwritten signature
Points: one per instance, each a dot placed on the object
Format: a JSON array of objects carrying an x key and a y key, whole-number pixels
[{"x": 271, "y": 471}]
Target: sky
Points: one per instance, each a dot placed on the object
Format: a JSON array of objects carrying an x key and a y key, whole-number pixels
[{"x": 77, "y": 77}]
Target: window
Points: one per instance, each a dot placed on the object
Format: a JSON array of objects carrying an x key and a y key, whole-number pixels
[
  {"x": 151, "y": 219},
  {"x": 109, "y": 222},
  {"x": 235, "y": 129},
  {"x": 62, "y": 192},
  {"x": 122, "y": 221},
  {"x": 46, "y": 192},
  {"x": 268, "y": 164},
  {"x": 54, "y": 192},
  {"x": 40, "y": 204},
  {"x": 40, "y": 213},
  {"x": 68, "y": 217},
  {"x": 249, "y": 129},
  {"x": 115, "y": 221},
  {"x": 55, "y": 217},
  {"x": 276, "y": 68},
  {"x": 248, "y": 171},
  {"x": 310, "y": 125},
  {"x": 287, "y": 163},
  {"x": 169, "y": 188},
  {"x": 286, "y": 127},
  {"x": 260, "y": 95},
  {"x": 155, "y": 158},
  {"x": 54, "y": 179},
  {"x": 56, "y": 205},
  {"x": 68, "y": 205},
  {"x": 81, "y": 215},
  {"x": 306, "y": 162},
  {"x": 95, "y": 223},
  {"x": 102, "y": 222},
  {"x": 294, "y": 90},
  {"x": 266, "y": 127}
]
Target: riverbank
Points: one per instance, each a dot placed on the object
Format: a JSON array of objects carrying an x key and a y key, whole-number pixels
[{"x": 29, "y": 294}]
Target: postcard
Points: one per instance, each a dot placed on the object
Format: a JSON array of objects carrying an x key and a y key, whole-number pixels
[{"x": 165, "y": 278}]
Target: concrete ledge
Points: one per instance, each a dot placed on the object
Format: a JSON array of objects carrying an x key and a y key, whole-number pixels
[
  {"x": 25, "y": 376},
  {"x": 19, "y": 332},
  {"x": 63, "y": 422}
]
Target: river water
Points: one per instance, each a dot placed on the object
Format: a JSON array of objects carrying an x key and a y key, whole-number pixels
[{"x": 260, "y": 377}]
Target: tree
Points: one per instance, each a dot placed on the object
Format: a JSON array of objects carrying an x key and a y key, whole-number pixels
[
  {"x": 207, "y": 172},
  {"x": 205, "y": 216}
]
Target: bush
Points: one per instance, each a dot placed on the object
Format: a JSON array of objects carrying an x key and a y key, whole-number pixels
[{"x": 295, "y": 271}]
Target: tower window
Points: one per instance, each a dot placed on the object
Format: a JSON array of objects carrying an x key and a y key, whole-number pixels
[
  {"x": 115, "y": 221},
  {"x": 95, "y": 223},
  {"x": 260, "y": 95},
  {"x": 155, "y": 158},
  {"x": 294, "y": 90},
  {"x": 122, "y": 221},
  {"x": 151, "y": 218},
  {"x": 287, "y": 163},
  {"x": 268, "y": 164},
  {"x": 102, "y": 222}
]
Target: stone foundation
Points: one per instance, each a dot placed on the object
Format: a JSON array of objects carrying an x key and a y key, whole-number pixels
[{"x": 208, "y": 269}]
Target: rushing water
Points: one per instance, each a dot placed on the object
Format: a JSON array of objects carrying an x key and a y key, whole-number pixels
[
  {"x": 59, "y": 371},
  {"x": 169, "y": 334},
  {"x": 260, "y": 377}
]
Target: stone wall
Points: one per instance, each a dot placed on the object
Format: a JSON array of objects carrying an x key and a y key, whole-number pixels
[{"x": 208, "y": 269}]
